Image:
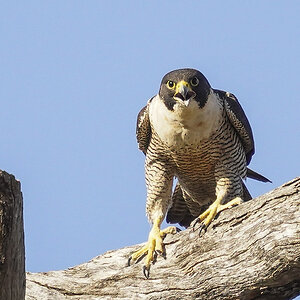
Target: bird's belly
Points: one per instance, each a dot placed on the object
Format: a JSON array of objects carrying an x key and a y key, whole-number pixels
[{"x": 195, "y": 170}]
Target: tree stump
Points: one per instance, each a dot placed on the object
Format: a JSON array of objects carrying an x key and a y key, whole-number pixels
[{"x": 12, "y": 250}]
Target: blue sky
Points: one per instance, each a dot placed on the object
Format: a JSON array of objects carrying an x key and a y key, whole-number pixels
[{"x": 74, "y": 75}]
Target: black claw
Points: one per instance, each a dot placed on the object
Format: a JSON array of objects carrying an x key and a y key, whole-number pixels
[
  {"x": 129, "y": 260},
  {"x": 202, "y": 228},
  {"x": 146, "y": 271},
  {"x": 178, "y": 229},
  {"x": 195, "y": 223},
  {"x": 155, "y": 254}
]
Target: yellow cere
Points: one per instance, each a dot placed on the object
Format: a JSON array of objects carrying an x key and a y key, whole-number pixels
[{"x": 181, "y": 83}]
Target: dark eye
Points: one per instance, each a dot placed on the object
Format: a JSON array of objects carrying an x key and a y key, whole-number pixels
[
  {"x": 170, "y": 84},
  {"x": 194, "y": 81}
]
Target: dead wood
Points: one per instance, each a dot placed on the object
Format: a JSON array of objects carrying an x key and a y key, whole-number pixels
[
  {"x": 12, "y": 253},
  {"x": 249, "y": 252}
]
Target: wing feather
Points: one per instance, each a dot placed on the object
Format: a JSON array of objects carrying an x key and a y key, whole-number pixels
[
  {"x": 239, "y": 121},
  {"x": 143, "y": 128}
]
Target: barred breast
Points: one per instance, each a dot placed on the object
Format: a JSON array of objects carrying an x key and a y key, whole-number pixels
[
  {"x": 199, "y": 167},
  {"x": 199, "y": 147}
]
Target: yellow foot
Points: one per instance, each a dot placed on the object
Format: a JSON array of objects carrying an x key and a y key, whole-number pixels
[
  {"x": 153, "y": 247},
  {"x": 206, "y": 218}
]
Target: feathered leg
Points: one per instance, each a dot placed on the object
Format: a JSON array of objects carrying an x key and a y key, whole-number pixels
[{"x": 159, "y": 179}]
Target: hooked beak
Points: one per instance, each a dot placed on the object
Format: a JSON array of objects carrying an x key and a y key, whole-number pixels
[{"x": 184, "y": 92}]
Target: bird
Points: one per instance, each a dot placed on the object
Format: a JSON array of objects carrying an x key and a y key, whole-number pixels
[{"x": 200, "y": 137}]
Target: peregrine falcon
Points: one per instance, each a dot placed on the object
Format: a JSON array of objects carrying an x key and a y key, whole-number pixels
[{"x": 202, "y": 137}]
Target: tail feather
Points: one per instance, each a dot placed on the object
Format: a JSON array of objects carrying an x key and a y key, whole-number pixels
[
  {"x": 252, "y": 174},
  {"x": 179, "y": 212},
  {"x": 246, "y": 194}
]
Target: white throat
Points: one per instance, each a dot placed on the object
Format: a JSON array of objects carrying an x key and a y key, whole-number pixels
[{"x": 186, "y": 124}]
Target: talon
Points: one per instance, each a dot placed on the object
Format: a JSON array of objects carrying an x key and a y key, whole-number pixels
[
  {"x": 129, "y": 260},
  {"x": 153, "y": 247},
  {"x": 203, "y": 227},
  {"x": 146, "y": 271},
  {"x": 208, "y": 216},
  {"x": 195, "y": 223},
  {"x": 154, "y": 259}
]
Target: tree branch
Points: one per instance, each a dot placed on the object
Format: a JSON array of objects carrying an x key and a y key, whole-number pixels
[{"x": 249, "y": 252}]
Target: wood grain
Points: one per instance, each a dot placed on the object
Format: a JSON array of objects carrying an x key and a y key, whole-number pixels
[{"x": 249, "y": 252}]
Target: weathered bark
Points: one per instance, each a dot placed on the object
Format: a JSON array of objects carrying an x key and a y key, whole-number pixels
[
  {"x": 12, "y": 250},
  {"x": 249, "y": 252}
]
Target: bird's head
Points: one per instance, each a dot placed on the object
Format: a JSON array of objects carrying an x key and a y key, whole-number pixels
[{"x": 183, "y": 86}]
